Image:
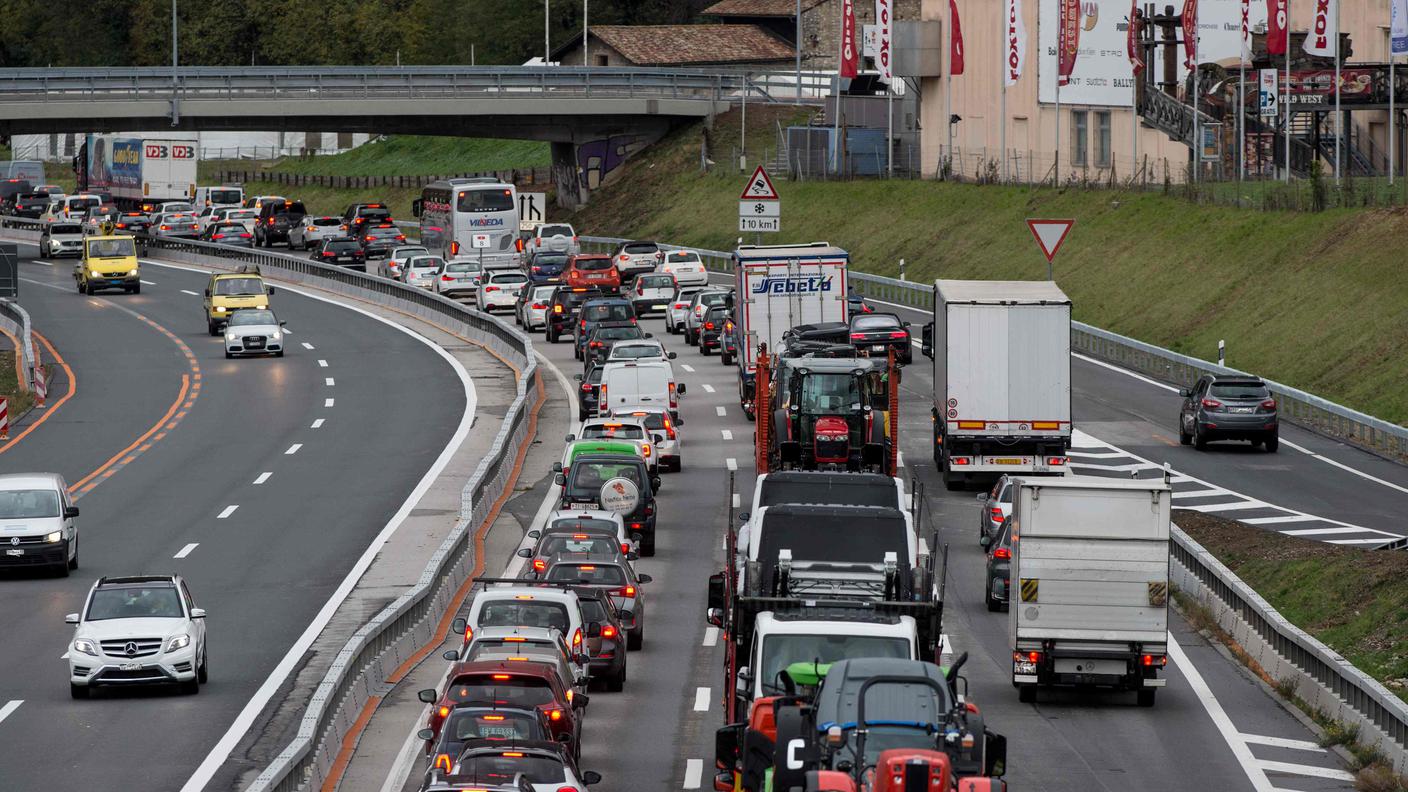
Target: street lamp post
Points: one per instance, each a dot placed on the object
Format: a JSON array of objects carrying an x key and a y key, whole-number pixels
[{"x": 175, "y": 109}]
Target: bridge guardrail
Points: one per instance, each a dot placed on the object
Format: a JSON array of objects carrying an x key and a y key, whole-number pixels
[
  {"x": 391, "y": 636},
  {"x": 15, "y": 321}
]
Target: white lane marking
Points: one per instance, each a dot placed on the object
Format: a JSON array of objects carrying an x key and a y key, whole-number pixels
[
  {"x": 1234, "y": 740},
  {"x": 731, "y": 463},
  {"x": 1200, "y": 493},
  {"x": 308, "y": 346},
  {"x": 899, "y": 459},
  {"x": 322, "y": 364},
  {"x": 1116, "y": 468},
  {"x": 707, "y": 388},
  {"x": 728, "y": 435},
  {"x": 1234, "y": 506},
  {"x": 1359, "y": 473},
  {"x": 146, "y": 283},
  {"x": 1314, "y": 531},
  {"x": 185, "y": 551},
  {"x": 329, "y": 402},
  {"x": 292, "y": 658},
  {"x": 701, "y": 699},
  {"x": 693, "y": 773},
  {"x": 293, "y": 449},
  {"x": 1297, "y": 446},
  {"x": 188, "y": 291},
  {"x": 44, "y": 263},
  {"x": 1126, "y": 372},
  {"x": 227, "y": 511},
  {"x": 317, "y": 424},
  {"x": 711, "y": 636},
  {"x": 12, "y": 706},
  {"x": 63, "y": 656},
  {"x": 263, "y": 477},
  {"x": 735, "y": 500},
  {"x": 1283, "y": 742},
  {"x": 1355, "y": 541},
  {"x": 721, "y": 411},
  {"x": 1305, "y": 770},
  {"x": 329, "y": 381},
  {"x": 687, "y": 367},
  {"x": 1095, "y": 454},
  {"x": 1289, "y": 518}
]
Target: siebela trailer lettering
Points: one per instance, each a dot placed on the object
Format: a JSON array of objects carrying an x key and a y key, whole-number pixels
[{"x": 793, "y": 284}]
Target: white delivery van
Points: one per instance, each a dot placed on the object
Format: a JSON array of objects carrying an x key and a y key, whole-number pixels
[{"x": 627, "y": 385}]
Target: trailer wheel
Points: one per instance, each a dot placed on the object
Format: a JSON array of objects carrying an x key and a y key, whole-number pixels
[
  {"x": 1145, "y": 696},
  {"x": 1027, "y": 694}
]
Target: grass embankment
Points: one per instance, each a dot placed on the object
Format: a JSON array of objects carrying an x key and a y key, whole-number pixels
[
  {"x": 1313, "y": 300},
  {"x": 10, "y": 387}
]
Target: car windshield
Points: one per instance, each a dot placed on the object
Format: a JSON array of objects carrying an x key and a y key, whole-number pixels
[
  {"x": 514, "y": 690},
  {"x": 241, "y": 214},
  {"x": 26, "y": 504},
  {"x": 135, "y": 602},
  {"x": 406, "y": 251},
  {"x": 582, "y": 524},
  {"x": 476, "y": 724},
  {"x": 549, "y": 260},
  {"x": 177, "y": 207},
  {"x": 229, "y": 228},
  {"x": 780, "y": 651},
  {"x": 342, "y": 245},
  {"x": 427, "y": 263},
  {"x": 232, "y": 286},
  {"x": 635, "y": 351},
  {"x": 594, "y": 611},
  {"x": 606, "y": 312},
  {"x": 461, "y": 267},
  {"x": 252, "y": 317},
  {"x": 682, "y": 257},
  {"x": 492, "y": 200},
  {"x": 524, "y": 613},
  {"x": 588, "y": 574},
  {"x": 640, "y": 248},
  {"x": 508, "y": 277},
  {"x": 613, "y": 431},
  {"x": 225, "y": 196},
  {"x": 326, "y": 221},
  {"x": 875, "y": 322},
  {"x": 555, "y": 230},
  {"x": 542, "y": 294},
  {"x": 59, "y": 229},
  {"x": 552, "y": 544},
  {"x": 1240, "y": 390},
  {"x": 652, "y": 420},
  {"x": 178, "y": 219},
  {"x": 829, "y": 393},
  {"x": 374, "y": 215},
  {"x": 594, "y": 373},
  {"x": 111, "y": 248},
  {"x": 618, "y": 333},
  {"x": 499, "y": 770},
  {"x": 593, "y": 263},
  {"x": 657, "y": 282},
  {"x": 587, "y": 477}
]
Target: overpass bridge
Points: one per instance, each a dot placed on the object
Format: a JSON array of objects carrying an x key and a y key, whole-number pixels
[{"x": 590, "y": 115}]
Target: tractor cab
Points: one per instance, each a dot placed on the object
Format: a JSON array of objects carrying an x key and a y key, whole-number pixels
[{"x": 830, "y": 413}]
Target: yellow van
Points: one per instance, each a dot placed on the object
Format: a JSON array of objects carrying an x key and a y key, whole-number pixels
[
  {"x": 228, "y": 292},
  {"x": 108, "y": 262}
]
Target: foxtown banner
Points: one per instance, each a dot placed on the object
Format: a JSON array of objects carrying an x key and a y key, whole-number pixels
[
  {"x": 1016, "y": 37},
  {"x": 850, "y": 54},
  {"x": 1323, "y": 39}
]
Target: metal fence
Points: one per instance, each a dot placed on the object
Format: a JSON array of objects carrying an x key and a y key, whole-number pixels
[{"x": 398, "y": 630}]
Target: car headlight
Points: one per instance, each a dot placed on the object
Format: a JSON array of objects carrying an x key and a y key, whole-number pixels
[
  {"x": 179, "y": 642},
  {"x": 220, "y": 309},
  {"x": 230, "y": 336},
  {"x": 132, "y": 271},
  {"x": 53, "y": 537},
  {"x": 278, "y": 334},
  {"x": 94, "y": 274},
  {"x": 85, "y": 646},
  {"x": 262, "y": 306}
]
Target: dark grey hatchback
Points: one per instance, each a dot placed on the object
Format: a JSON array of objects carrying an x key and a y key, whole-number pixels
[
  {"x": 1228, "y": 408},
  {"x": 997, "y": 583}
]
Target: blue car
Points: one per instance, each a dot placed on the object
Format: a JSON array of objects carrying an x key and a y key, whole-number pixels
[{"x": 546, "y": 267}]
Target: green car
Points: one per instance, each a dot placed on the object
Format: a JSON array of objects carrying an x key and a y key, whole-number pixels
[{"x": 636, "y": 449}]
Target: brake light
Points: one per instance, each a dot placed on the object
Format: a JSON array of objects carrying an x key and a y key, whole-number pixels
[
  {"x": 1027, "y": 657},
  {"x": 669, "y": 429},
  {"x": 446, "y": 278},
  {"x": 577, "y": 638},
  {"x": 454, "y": 248},
  {"x": 165, "y": 228},
  {"x": 625, "y": 547},
  {"x": 329, "y": 253},
  {"x": 608, "y": 632},
  {"x": 1056, "y": 461},
  {"x": 1002, "y": 552},
  {"x": 898, "y": 334},
  {"x": 444, "y": 711},
  {"x": 538, "y": 306},
  {"x": 1212, "y": 404},
  {"x": 587, "y": 568},
  {"x": 468, "y": 632},
  {"x": 595, "y": 345},
  {"x": 442, "y": 760},
  {"x": 555, "y": 714},
  {"x": 502, "y": 677},
  {"x": 512, "y": 754},
  {"x": 586, "y": 386},
  {"x": 218, "y": 236},
  {"x": 996, "y": 513},
  {"x": 959, "y": 460},
  {"x": 492, "y": 717},
  {"x": 708, "y": 325},
  {"x": 540, "y": 565},
  {"x": 1269, "y": 404},
  {"x": 246, "y": 235},
  {"x": 1155, "y": 660},
  {"x": 857, "y": 336},
  {"x": 624, "y": 257},
  {"x": 557, "y": 309},
  {"x": 681, "y": 305},
  {"x": 629, "y": 591},
  {"x": 491, "y": 288}
]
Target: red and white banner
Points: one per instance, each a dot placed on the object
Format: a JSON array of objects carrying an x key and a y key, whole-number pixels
[
  {"x": 1016, "y": 43},
  {"x": 850, "y": 53},
  {"x": 955, "y": 40},
  {"x": 1323, "y": 38},
  {"x": 884, "y": 28},
  {"x": 1278, "y": 28},
  {"x": 1246, "y": 30},
  {"x": 1190, "y": 33},
  {"x": 1136, "y": 52},
  {"x": 1067, "y": 39}
]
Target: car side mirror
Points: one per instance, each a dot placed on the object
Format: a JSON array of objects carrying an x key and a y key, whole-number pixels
[
  {"x": 594, "y": 630},
  {"x": 452, "y": 655},
  {"x": 427, "y": 695},
  {"x": 590, "y": 777},
  {"x": 670, "y": 355},
  {"x": 714, "y": 616},
  {"x": 628, "y": 615},
  {"x": 71, "y": 618},
  {"x": 1185, "y": 392},
  {"x": 657, "y": 438},
  {"x": 197, "y": 613},
  {"x": 426, "y": 734},
  {"x": 564, "y": 737},
  {"x": 580, "y": 701},
  {"x": 557, "y": 467},
  {"x": 632, "y": 555},
  {"x": 70, "y": 511},
  {"x": 534, "y": 534},
  {"x": 985, "y": 540},
  {"x": 644, "y": 579},
  {"x": 582, "y": 658},
  {"x": 560, "y": 480},
  {"x": 743, "y": 517},
  {"x": 680, "y": 389},
  {"x": 715, "y": 598},
  {"x": 982, "y": 497},
  {"x": 283, "y": 324},
  {"x": 570, "y": 438},
  {"x": 655, "y": 482},
  {"x": 271, "y": 291},
  {"x": 525, "y": 552},
  {"x": 459, "y": 625},
  {"x": 994, "y": 754},
  {"x": 636, "y": 537}
]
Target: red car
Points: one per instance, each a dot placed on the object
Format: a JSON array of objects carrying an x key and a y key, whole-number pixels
[
  {"x": 511, "y": 683},
  {"x": 594, "y": 269}
]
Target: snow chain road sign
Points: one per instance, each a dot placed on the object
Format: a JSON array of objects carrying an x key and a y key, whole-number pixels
[{"x": 759, "y": 209}]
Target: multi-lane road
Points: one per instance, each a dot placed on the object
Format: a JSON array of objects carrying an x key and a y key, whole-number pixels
[{"x": 262, "y": 481}]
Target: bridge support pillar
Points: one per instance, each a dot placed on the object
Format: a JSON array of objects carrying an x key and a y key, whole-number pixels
[{"x": 594, "y": 157}]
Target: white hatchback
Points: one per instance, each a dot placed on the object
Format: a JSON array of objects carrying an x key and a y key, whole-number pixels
[
  {"x": 652, "y": 292},
  {"x": 499, "y": 289},
  {"x": 422, "y": 270},
  {"x": 664, "y": 431},
  {"x": 687, "y": 268},
  {"x": 533, "y": 311}
]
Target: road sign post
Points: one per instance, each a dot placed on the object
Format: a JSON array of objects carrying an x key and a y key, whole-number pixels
[
  {"x": 1049, "y": 236},
  {"x": 759, "y": 209},
  {"x": 479, "y": 242}
]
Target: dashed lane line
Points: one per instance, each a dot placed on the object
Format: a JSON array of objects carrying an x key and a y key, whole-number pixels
[
  {"x": 293, "y": 449},
  {"x": 329, "y": 402},
  {"x": 227, "y": 511},
  {"x": 701, "y": 699},
  {"x": 263, "y": 477},
  {"x": 687, "y": 367},
  {"x": 13, "y": 705},
  {"x": 707, "y": 388},
  {"x": 721, "y": 411},
  {"x": 188, "y": 291},
  {"x": 728, "y": 435},
  {"x": 736, "y": 500},
  {"x": 731, "y": 463},
  {"x": 1283, "y": 742},
  {"x": 308, "y": 346},
  {"x": 322, "y": 364},
  {"x": 711, "y": 636},
  {"x": 1334, "y": 773},
  {"x": 693, "y": 773},
  {"x": 329, "y": 381},
  {"x": 185, "y": 551},
  {"x": 317, "y": 424}
]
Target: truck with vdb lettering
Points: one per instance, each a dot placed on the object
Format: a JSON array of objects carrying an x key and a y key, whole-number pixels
[
  {"x": 779, "y": 287},
  {"x": 139, "y": 170}
]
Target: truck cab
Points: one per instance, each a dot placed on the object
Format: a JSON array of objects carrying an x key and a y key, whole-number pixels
[
  {"x": 108, "y": 262},
  {"x": 822, "y": 634},
  {"x": 227, "y": 292}
]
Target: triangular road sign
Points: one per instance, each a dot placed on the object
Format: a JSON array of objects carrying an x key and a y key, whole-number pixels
[
  {"x": 759, "y": 187},
  {"x": 1050, "y": 234}
]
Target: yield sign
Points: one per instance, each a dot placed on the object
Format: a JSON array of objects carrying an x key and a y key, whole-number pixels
[
  {"x": 759, "y": 187},
  {"x": 1050, "y": 234}
]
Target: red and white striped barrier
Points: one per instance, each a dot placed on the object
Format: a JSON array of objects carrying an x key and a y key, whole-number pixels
[
  {"x": 4, "y": 418},
  {"x": 39, "y": 384}
]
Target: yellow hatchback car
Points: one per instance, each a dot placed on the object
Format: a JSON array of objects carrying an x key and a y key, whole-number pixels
[
  {"x": 108, "y": 262},
  {"x": 228, "y": 292}
]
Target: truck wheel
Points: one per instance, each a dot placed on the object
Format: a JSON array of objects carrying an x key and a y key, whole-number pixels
[
  {"x": 704, "y": 350},
  {"x": 212, "y": 327},
  {"x": 726, "y": 359},
  {"x": 1027, "y": 694},
  {"x": 1145, "y": 697}
]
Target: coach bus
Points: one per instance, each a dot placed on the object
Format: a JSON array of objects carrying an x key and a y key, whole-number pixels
[{"x": 469, "y": 217}]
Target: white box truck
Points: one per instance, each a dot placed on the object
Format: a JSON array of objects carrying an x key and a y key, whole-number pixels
[
  {"x": 778, "y": 287},
  {"x": 1090, "y": 572},
  {"x": 1002, "y": 378},
  {"x": 141, "y": 170}
]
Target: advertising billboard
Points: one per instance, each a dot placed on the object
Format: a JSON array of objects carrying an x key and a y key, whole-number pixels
[{"x": 114, "y": 163}]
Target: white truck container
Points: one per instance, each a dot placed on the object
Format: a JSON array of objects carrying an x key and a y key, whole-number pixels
[
  {"x": 778, "y": 287},
  {"x": 1090, "y": 571},
  {"x": 1002, "y": 378},
  {"x": 140, "y": 170}
]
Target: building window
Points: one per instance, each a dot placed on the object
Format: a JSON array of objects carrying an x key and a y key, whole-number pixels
[
  {"x": 1102, "y": 139},
  {"x": 1079, "y": 125},
  {"x": 601, "y": 60}
]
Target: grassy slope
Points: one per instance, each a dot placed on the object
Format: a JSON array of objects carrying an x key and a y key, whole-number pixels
[
  {"x": 1311, "y": 300},
  {"x": 425, "y": 156}
]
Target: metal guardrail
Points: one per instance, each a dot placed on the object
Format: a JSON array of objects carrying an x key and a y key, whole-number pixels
[
  {"x": 393, "y": 634},
  {"x": 1295, "y": 405},
  {"x": 15, "y": 320},
  {"x": 339, "y": 82}
]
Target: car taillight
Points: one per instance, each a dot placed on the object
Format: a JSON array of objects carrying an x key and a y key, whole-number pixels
[
  {"x": 857, "y": 336},
  {"x": 371, "y": 238},
  {"x": 586, "y": 387},
  {"x": 669, "y": 429},
  {"x": 624, "y": 257},
  {"x": 540, "y": 565},
  {"x": 442, "y": 761},
  {"x": 557, "y": 309},
  {"x": 1154, "y": 660},
  {"x": 1002, "y": 552},
  {"x": 400, "y": 237},
  {"x": 1055, "y": 461},
  {"x": 1269, "y": 404},
  {"x": 246, "y": 236},
  {"x": 491, "y": 288},
  {"x": 681, "y": 305},
  {"x": 1212, "y": 404},
  {"x": 595, "y": 345},
  {"x": 608, "y": 632},
  {"x": 329, "y": 253},
  {"x": 898, "y": 334},
  {"x": 628, "y": 591},
  {"x": 625, "y": 547},
  {"x": 444, "y": 711},
  {"x": 577, "y": 637},
  {"x": 996, "y": 513},
  {"x": 218, "y": 236},
  {"x": 446, "y": 278},
  {"x": 538, "y": 306},
  {"x": 708, "y": 325},
  {"x": 469, "y": 632},
  {"x": 555, "y": 714},
  {"x": 454, "y": 248},
  {"x": 164, "y": 228}
]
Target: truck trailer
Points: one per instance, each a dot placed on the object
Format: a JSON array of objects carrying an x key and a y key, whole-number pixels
[{"x": 139, "y": 170}]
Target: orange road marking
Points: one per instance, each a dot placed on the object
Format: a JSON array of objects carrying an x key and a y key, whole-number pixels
[{"x": 50, "y": 410}]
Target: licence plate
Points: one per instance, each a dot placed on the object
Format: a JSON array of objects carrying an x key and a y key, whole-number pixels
[
  {"x": 877, "y": 347},
  {"x": 505, "y": 732},
  {"x": 344, "y": 258},
  {"x": 130, "y": 667},
  {"x": 1241, "y": 409},
  {"x": 14, "y": 552},
  {"x": 252, "y": 344},
  {"x": 1007, "y": 461}
]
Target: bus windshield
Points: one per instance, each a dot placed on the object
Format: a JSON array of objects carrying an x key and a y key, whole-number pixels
[{"x": 493, "y": 200}]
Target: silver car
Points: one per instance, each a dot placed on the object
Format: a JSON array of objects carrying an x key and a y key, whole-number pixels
[
  {"x": 457, "y": 279},
  {"x": 422, "y": 271},
  {"x": 252, "y": 331},
  {"x": 176, "y": 225},
  {"x": 664, "y": 433},
  {"x": 533, "y": 307},
  {"x": 996, "y": 507},
  {"x": 390, "y": 267},
  {"x": 61, "y": 239},
  {"x": 698, "y": 306},
  {"x": 553, "y": 238},
  {"x": 678, "y": 307},
  {"x": 309, "y": 231}
]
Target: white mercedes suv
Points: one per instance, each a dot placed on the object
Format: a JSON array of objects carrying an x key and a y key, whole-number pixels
[{"x": 137, "y": 631}]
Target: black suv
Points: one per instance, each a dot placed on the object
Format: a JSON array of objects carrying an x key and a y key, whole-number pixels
[
  {"x": 604, "y": 335},
  {"x": 274, "y": 221},
  {"x": 358, "y": 214},
  {"x": 581, "y": 487},
  {"x": 1228, "y": 408},
  {"x": 341, "y": 251},
  {"x": 715, "y": 332},
  {"x": 379, "y": 239},
  {"x": 997, "y": 583},
  {"x": 589, "y": 390},
  {"x": 595, "y": 311},
  {"x": 562, "y": 312},
  {"x": 30, "y": 205}
]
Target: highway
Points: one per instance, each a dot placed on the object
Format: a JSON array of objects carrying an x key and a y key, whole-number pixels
[{"x": 262, "y": 481}]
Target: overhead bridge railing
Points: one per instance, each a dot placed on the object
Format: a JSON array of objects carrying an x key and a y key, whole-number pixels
[{"x": 335, "y": 82}]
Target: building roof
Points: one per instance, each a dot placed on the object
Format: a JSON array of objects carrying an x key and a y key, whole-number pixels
[
  {"x": 759, "y": 8},
  {"x": 670, "y": 45}
]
